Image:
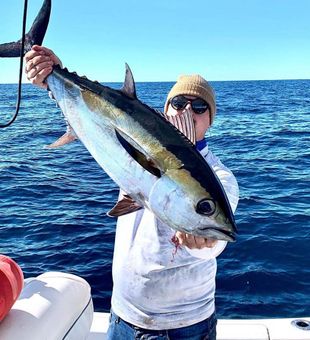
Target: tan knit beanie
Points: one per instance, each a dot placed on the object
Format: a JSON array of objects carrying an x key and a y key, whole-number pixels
[{"x": 193, "y": 85}]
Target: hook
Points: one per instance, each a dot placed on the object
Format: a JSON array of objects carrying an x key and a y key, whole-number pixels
[{"x": 20, "y": 69}]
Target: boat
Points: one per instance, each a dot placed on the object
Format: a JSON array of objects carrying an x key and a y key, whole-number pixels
[{"x": 57, "y": 305}]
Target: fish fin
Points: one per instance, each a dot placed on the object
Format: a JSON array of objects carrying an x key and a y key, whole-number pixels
[
  {"x": 125, "y": 205},
  {"x": 138, "y": 156},
  {"x": 129, "y": 87},
  {"x": 66, "y": 138},
  {"x": 35, "y": 35}
]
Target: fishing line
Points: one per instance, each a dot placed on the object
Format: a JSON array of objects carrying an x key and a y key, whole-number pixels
[{"x": 20, "y": 69}]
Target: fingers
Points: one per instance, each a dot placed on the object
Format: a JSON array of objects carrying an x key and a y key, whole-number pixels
[
  {"x": 181, "y": 237},
  {"x": 195, "y": 242},
  {"x": 47, "y": 52},
  {"x": 37, "y": 69},
  {"x": 38, "y": 75},
  {"x": 39, "y": 63},
  {"x": 210, "y": 242}
]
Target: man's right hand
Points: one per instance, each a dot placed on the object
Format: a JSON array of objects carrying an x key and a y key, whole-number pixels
[{"x": 39, "y": 64}]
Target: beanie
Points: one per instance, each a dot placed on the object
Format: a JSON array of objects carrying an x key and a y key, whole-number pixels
[{"x": 193, "y": 85}]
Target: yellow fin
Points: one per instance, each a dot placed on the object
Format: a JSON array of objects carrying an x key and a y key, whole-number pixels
[
  {"x": 125, "y": 205},
  {"x": 67, "y": 138}
]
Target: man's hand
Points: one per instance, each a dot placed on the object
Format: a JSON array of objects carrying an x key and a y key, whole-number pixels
[
  {"x": 194, "y": 242},
  {"x": 39, "y": 64}
]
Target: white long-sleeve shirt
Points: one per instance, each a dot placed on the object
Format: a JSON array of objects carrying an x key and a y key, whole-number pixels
[{"x": 159, "y": 286}]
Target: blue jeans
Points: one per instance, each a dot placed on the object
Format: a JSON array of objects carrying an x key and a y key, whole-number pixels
[{"x": 122, "y": 330}]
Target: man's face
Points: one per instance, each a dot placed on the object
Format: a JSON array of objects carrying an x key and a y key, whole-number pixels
[{"x": 201, "y": 121}]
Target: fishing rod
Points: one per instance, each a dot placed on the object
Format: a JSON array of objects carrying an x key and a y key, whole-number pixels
[{"x": 19, "y": 92}]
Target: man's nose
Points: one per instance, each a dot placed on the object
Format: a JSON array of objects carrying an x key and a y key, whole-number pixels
[{"x": 187, "y": 107}]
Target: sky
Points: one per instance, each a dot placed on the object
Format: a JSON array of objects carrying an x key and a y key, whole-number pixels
[{"x": 161, "y": 39}]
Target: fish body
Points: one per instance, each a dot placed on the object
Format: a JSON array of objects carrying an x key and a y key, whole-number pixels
[{"x": 144, "y": 154}]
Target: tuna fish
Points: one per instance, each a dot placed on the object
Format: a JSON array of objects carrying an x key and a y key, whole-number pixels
[{"x": 146, "y": 156}]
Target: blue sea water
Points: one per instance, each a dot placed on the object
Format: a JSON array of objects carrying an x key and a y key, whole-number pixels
[{"x": 53, "y": 203}]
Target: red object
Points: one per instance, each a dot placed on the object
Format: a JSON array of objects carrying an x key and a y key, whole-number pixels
[{"x": 11, "y": 284}]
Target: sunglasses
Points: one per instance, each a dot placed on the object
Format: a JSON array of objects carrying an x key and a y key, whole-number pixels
[{"x": 199, "y": 106}]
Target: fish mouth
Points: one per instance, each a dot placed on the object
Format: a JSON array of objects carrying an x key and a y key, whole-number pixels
[{"x": 222, "y": 234}]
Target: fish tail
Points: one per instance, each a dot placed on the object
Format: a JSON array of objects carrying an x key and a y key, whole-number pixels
[{"x": 35, "y": 35}]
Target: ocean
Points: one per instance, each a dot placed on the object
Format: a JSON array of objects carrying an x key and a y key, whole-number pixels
[{"x": 53, "y": 203}]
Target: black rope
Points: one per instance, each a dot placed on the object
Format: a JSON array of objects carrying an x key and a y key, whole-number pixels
[{"x": 20, "y": 69}]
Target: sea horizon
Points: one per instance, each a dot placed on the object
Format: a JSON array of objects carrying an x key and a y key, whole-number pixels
[{"x": 173, "y": 81}]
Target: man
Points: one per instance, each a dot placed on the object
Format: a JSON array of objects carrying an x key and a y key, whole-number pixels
[{"x": 164, "y": 282}]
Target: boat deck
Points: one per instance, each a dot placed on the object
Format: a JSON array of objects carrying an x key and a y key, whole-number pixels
[{"x": 260, "y": 329}]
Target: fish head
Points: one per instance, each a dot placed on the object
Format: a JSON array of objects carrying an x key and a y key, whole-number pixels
[{"x": 180, "y": 201}]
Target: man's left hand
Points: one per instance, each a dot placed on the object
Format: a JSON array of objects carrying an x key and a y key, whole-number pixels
[{"x": 194, "y": 242}]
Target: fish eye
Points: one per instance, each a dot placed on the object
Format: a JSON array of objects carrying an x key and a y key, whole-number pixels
[{"x": 206, "y": 207}]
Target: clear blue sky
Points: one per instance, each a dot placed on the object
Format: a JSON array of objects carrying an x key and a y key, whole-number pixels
[{"x": 159, "y": 39}]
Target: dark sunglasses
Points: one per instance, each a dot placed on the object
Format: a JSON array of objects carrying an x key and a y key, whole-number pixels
[{"x": 198, "y": 105}]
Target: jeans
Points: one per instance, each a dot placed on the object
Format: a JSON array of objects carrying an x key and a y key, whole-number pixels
[{"x": 122, "y": 330}]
